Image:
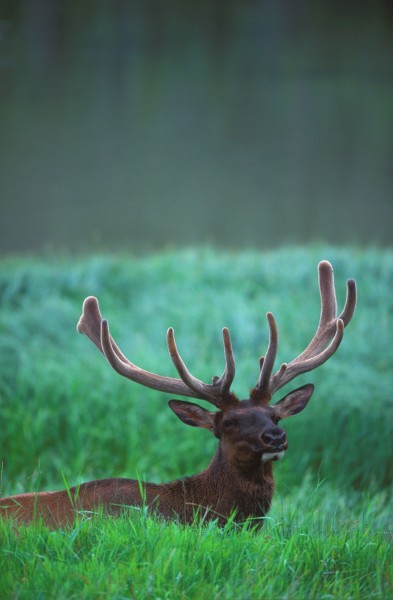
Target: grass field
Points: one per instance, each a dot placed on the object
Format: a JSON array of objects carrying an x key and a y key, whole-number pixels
[{"x": 66, "y": 417}]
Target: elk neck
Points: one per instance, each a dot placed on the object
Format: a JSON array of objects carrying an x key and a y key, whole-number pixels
[{"x": 217, "y": 491}]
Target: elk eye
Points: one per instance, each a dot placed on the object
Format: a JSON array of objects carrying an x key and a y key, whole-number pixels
[{"x": 228, "y": 423}]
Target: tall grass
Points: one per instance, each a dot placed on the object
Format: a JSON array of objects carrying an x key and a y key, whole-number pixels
[
  {"x": 65, "y": 415},
  {"x": 310, "y": 548}
]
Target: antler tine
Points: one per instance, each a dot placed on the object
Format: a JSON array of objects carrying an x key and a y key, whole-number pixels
[
  {"x": 325, "y": 342},
  {"x": 287, "y": 372},
  {"x": 267, "y": 364},
  {"x": 96, "y": 329},
  {"x": 218, "y": 391},
  {"x": 328, "y": 321},
  {"x": 90, "y": 325},
  {"x": 226, "y": 379},
  {"x": 350, "y": 302},
  {"x": 90, "y": 321},
  {"x": 191, "y": 381},
  {"x": 330, "y": 330},
  {"x": 327, "y": 292}
]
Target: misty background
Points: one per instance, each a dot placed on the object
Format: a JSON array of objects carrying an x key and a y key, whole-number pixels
[{"x": 159, "y": 123}]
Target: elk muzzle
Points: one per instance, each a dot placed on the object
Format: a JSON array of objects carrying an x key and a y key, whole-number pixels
[
  {"x": 275, "y": 444},
  {"x": 275, "y": 439}
]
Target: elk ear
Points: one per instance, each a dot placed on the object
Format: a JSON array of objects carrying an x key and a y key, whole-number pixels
[
  {"x": 192, "y": 414},
  {"x": 294, "y": 402}
]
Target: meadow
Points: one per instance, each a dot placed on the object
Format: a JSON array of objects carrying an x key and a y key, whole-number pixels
[{"x": 67, "y": 417}]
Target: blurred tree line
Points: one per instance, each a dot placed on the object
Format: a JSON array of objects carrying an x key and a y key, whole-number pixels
[{"x": 155, "y": 122}]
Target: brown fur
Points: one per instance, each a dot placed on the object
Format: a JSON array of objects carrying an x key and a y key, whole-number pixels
[{"x": 249, "y": 495}]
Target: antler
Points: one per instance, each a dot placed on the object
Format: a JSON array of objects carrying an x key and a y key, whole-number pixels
[
  {"x": 96, "y": 328},
  {"x": 325, "y": 342}
]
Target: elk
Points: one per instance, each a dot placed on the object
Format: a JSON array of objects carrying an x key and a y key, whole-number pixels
[{"x": 238, "y": 482}]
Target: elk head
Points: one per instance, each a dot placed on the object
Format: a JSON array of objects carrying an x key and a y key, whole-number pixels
[{"x": 248, "y": 430}]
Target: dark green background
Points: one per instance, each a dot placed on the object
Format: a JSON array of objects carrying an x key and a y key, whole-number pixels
[{"x": 154, "y": 123}]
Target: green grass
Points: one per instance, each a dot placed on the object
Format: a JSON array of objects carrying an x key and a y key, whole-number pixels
[
  {"x": 65, "y": 414},
  {"x": 310, "y": 548}
]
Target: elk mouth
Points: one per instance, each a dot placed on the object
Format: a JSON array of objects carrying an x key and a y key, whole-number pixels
[{"x": 275, "y": 455}]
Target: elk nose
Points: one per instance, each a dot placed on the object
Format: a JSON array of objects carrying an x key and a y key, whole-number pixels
[{"x": 274, "y": 439}]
